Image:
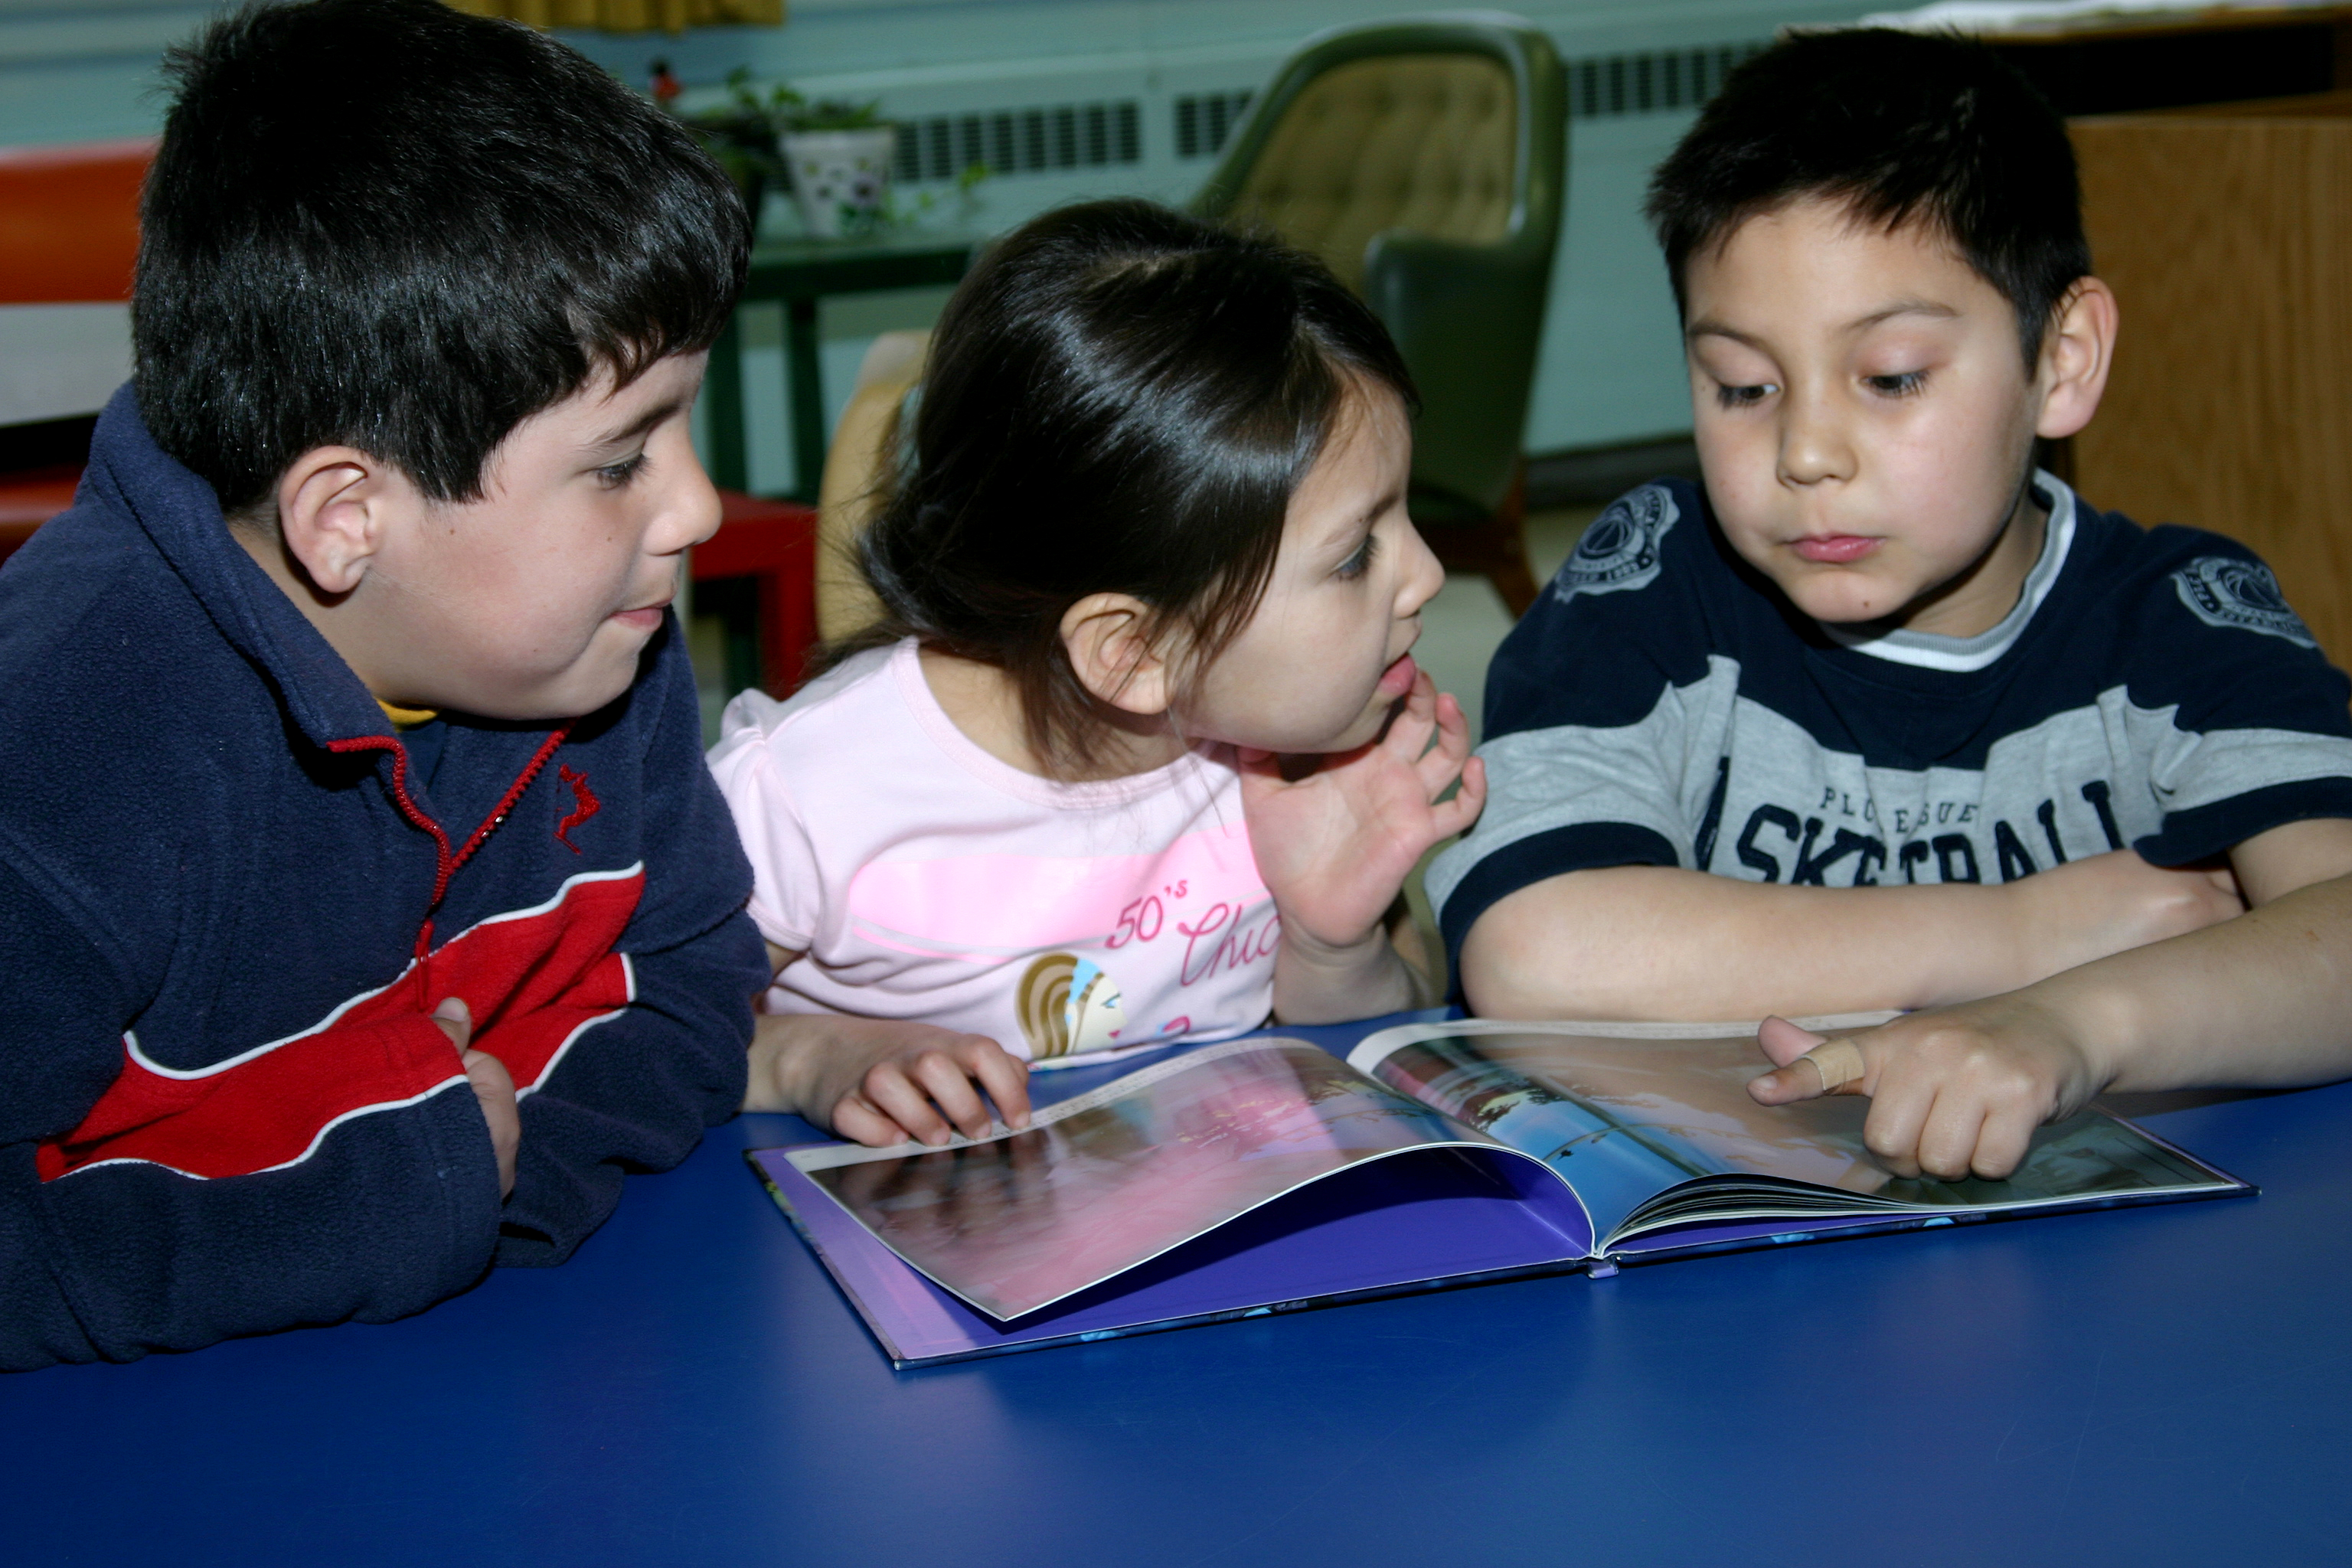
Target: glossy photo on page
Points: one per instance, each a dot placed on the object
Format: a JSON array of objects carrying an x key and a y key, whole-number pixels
[
  {"x": 1624, "y": 1119},
  {"x": 1113, "y": 1178}
]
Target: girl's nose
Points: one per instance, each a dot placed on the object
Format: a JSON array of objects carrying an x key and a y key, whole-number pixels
[{"x": 1422, "y": 577}]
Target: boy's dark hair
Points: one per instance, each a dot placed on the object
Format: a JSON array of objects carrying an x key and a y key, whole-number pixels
[
  {"x": 1119, "y": 399},
  {"x": 386, "y": 224},
  {"x": 1928, "y": 128}
]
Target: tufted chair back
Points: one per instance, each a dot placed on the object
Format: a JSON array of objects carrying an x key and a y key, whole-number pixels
[
  {"x": 1423, "y": 143},
  {"x": 1425, "y": 161}
]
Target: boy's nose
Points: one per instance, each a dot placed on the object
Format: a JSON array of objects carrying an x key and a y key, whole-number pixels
[
  {"x": 1813, "y": 444},
  {"x": 692, "y": 516}
]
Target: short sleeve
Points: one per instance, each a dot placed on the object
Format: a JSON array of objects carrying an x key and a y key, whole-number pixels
[
  {"x": 2253, "y": 730},
  {"x": 786, "y": 893},
  {"x": 1604, "y": 716}
]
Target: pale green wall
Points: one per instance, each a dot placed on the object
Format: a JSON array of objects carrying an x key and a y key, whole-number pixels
[{"x": 1610, "y": 371}]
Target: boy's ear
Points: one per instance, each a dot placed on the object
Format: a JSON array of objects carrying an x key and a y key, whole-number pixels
[
  {"x": 334, "y": 507},
  {"x": 2077, "y": 354},
  {"x": 1109, "y": 639}
]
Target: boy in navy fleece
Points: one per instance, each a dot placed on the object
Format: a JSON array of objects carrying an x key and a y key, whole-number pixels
[{"x": 366, "y": 906}]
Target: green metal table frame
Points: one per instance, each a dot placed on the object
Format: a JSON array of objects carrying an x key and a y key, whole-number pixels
[{"x": 799, "y": 273}]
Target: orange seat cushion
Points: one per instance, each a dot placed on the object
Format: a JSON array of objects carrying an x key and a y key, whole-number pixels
[
  {"x": 69, "y": 221},
  {"x": 30, "y": 498}
]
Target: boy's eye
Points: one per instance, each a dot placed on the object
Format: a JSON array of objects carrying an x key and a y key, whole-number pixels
[
  {"x": 1902, "y": 385},
  {"x": 1744, "y": 397},
  {"x": 1357, "y": 564},
  {"x": 613, "y": 476}
]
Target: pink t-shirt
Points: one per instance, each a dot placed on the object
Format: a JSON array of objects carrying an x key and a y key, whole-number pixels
[{"x": 925, "y": 880}]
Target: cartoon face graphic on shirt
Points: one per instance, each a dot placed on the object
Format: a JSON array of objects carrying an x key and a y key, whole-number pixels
[
  {"x": 1066, "y": 1004},
  {"x": 1081, "y": 954}
]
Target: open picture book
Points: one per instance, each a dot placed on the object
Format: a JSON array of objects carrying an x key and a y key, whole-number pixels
[{"x": 1264, "y": 1174}]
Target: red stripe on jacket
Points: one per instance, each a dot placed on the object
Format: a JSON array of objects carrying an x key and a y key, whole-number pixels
[{"x": 533, "y": 978}]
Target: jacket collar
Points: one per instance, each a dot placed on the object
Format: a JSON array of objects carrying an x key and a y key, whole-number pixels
[{"x": 180, "y": 514}]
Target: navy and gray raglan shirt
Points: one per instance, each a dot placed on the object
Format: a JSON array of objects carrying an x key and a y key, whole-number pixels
[{"x": 1664, "y": 704}]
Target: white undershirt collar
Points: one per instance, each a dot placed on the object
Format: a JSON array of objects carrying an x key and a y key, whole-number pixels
[{"x": 1928, "y": 650}]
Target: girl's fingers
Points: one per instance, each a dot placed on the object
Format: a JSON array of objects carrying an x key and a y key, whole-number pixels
[
  {"x": 1453, "y": 725},
  {"x": 896, "y": 1096},
  {"x": 1456, "y": 815},
  {"x": 1005, "y": 1078},
  {"x": 1442, "y": 763},
  {"x": 1409, "y": 731},
  {"x": 857, "y": 1119},
  {"x": 950, "y": 1087}
]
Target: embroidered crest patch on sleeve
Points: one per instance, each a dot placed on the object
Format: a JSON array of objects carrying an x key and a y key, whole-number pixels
[
  {"x": 2223, "y": 591},
  {"x": 1620, "y": 551}
]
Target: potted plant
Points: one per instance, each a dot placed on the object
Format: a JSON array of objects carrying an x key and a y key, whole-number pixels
[
  {"x": 838, "y": 156},
  {"x": 834, "y": 157}
]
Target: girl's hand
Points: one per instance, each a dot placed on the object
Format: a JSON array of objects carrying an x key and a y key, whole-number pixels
[
  {"x": 880, "y": 1081},
  {"x": 1335, "y": 845}
]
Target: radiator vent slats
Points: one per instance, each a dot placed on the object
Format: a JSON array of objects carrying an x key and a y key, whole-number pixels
[
  {"x": 1021, "y": 141},
  {"x": 1098, "y": 135}
]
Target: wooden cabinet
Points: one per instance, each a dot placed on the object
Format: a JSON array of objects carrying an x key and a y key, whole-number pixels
[{"x": 2227, "y": 235}]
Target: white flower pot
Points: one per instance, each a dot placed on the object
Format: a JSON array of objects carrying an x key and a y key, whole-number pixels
[{"x": 839, "y": 177}]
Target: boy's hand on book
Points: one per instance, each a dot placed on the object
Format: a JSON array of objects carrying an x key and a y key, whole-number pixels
[
  {"x": 1954, "y": 1091},
  {"x": 492, "y": 1086},
  {"x": 1335, "y": 846},
  {"x": 2103, "y": 904},
  {"x": 880, "y": 1081}
]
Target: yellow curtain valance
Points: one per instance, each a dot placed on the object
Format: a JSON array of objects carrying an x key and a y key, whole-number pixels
[{"x": 631, "y": 16}]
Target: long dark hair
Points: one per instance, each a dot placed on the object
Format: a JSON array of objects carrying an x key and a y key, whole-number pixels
[{"x": 1119, "y": 399}]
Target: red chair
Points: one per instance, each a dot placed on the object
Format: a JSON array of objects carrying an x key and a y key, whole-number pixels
[{"x": 774, "y": 541}]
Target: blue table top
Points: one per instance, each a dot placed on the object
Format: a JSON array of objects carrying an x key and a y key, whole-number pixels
[{"x": 2168, "y": 1384}]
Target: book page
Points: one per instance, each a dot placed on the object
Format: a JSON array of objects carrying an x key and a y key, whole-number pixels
[
  {"x": 1626, "y": 1117},
  {"x": 1117, "y": 1176}
]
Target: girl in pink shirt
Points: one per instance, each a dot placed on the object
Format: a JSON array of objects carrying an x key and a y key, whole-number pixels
[{"x": 1139, "y": 752}]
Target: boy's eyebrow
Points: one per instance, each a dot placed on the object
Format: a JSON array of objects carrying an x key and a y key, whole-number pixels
[
  {"x": 1902, "y": 308},
  {"x": 1708, "y": 327},
  {"x": 641, "y": 423}
]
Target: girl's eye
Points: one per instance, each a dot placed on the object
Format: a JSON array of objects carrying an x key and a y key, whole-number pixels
[
  {"x": 1903, "y": 386},
  {"x": 1357, "y": 564},
  {"x": 1744, "y": 397},
  {"x": 613, "y": 476}
]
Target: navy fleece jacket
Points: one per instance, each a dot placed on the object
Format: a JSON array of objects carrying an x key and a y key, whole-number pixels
[{"x": 230, "y": 895}]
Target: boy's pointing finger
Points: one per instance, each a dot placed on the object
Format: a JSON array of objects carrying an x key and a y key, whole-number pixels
[{"x": 1811, "y": 1065}]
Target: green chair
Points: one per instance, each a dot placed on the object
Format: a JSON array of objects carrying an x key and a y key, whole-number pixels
[{"x": 1426, "y": 163}]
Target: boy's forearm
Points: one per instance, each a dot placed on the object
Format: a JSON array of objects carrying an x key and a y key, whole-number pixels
[
  {"x": 2265, "y": 999},
  {"x": 1660, "y": 942}
]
